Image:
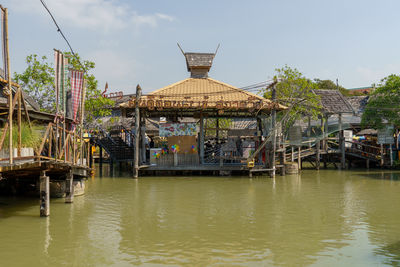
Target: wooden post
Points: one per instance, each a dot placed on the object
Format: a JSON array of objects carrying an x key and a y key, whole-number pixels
[
  {"x": 273, "y": 98},
  {"x": 367, "y": 163},
  {"x": 342, "y": 144},
  {"x": 299, "y": 157},
  {"x": 391, "y": 154},
  {"x": 69, "y": 187},
  {"x": 309, "y": 131},
  {"x": 382, "y": 160},
  {"x": 143, "y": 140},
  {"x": 323, "y": 133},
  {"x": 292, "y": 154},
  {"x": 44, "y": 194},
  {"x": 137, "y": 131},
  {"x": 317, "y": 155},
  {"x": 10, "y": 108},
  {"x": 326, "y": 132},
  {"x": 101, "y": 159},
  {"x": 19, "y": 121},
  {"x": 201, "y": 141}
]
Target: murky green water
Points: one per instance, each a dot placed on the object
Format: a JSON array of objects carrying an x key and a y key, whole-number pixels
[{"x": 325, "y": 218}]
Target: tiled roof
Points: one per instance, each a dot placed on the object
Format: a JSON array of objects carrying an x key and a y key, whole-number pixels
[
  {"x": 201, "y": 94},
  {"x": 333, "y": 102}
]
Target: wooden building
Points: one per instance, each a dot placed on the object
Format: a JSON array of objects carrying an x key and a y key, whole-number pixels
[{"x": 209, "y": 142}]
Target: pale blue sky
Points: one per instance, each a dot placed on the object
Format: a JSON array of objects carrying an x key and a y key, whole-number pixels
[{"x": 135, "y": 41}]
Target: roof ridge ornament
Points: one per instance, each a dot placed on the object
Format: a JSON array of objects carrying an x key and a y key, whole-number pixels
[{"x": 198, "y": 64}]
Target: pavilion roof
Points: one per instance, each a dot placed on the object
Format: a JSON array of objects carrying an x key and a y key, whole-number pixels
[{"x": 203, "y": 93}]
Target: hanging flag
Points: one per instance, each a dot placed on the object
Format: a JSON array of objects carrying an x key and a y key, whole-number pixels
[
  {"x": 77, "y": 78},
  {"x": 57, "y": 66}
]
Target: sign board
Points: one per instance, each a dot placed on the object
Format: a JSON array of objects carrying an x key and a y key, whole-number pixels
[
  {"x": 177, "y": 129},
  {"x": 348, "y": 136},
  {"x": 385, "y": 136},
  {"x": 295, "y": 137}
]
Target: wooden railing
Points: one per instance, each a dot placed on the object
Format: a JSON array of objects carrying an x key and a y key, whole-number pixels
[{"x": 62, "y": 145}]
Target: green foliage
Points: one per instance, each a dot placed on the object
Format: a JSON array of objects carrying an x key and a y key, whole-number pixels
[
  {"x": 330, "y": 85},
  {"x": 38, "y": 81},
  {"x": 295, "y": 91},
  {"x": 384, "y": 104},
  {"x": 29, "y": 137}
]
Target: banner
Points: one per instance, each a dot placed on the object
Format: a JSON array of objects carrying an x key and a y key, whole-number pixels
[
  {"x": 177, "y": 129},
  {"x": 77, "y": 78},
  {"x": 60, "y": 80}
]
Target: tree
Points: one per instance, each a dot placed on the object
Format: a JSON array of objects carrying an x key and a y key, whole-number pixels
[
  {"x": 384, "y": 104},
  {"x": 38, "y": 81},
  {"x": 330, "y": 85},
  {"x": 295, "y": 91}
]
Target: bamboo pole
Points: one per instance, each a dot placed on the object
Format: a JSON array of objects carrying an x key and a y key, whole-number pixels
[
  {"x": 19, "y": 122},
  {"x": 10, "y": 111}
]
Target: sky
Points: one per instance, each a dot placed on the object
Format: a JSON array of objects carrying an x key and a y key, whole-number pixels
[{"x": 134, "y": 42}]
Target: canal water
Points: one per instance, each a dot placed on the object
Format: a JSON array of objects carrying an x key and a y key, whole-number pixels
[{"x": 318, "y": 218}]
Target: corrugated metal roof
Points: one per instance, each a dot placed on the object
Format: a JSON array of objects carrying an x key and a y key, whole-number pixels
[{"x": 203, "y": 93}]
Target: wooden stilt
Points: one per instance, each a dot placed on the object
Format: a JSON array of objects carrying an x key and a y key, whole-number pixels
[
  {"x": 299, "y": 157},
  {"x": 137, "y": 131},
  {"x": 101, "y": 160},
  {"x": 69, "y": 188},
  {"x": 44, "y": 194},
  {"x": 317, "y": 155},
  {"x": 382, "y": 159}
]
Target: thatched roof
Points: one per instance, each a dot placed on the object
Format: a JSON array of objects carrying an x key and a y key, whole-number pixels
[{"x": 333, "y": 102}]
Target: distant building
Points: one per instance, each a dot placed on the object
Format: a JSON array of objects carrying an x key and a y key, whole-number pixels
[{"x": 361, "y": 90}]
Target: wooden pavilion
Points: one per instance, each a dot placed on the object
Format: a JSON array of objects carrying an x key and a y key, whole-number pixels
[{"x": 208, "y": 144}]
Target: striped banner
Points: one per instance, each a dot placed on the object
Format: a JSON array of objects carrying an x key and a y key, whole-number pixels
[{"x": 77, "y": 78}]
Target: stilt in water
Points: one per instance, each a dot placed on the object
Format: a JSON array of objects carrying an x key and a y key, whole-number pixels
[
  {"x": 101, "y": 160},
  {"x": 69, "y": 188},
  {"x": 317, "y": 155},
  {"x": 44, "y": 194}
]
